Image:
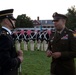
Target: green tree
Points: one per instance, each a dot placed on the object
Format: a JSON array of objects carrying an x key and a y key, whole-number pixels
[
  {"x": 24, "y": 21},
  {"x": 71, "y": 23}
]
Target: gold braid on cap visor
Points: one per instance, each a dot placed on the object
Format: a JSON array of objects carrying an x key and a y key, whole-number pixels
[{"x": 5, "y": 14}]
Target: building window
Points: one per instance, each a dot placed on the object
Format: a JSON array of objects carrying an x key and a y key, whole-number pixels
[{"x": 46, "y": 21}]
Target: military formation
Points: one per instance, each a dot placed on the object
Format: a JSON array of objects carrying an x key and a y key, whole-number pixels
[{"x": 32, "y": 39}]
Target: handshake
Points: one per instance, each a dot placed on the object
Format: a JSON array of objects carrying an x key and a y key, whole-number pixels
[{"x": 54, "y": 55}]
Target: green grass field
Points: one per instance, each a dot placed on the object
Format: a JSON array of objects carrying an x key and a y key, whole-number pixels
[{"x": 35, "y": 63}]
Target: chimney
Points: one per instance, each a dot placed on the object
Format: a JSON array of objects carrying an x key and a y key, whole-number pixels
[{"x": 38, "y": 18}]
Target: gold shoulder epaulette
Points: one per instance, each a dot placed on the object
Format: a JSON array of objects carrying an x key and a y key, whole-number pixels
[{"x": 74, "y": 34}]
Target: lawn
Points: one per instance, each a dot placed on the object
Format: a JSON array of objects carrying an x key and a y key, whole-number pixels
[{"x": 35, "y": 63}]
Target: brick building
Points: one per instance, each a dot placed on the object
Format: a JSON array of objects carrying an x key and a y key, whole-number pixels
[{"x": 43, "y": 23}]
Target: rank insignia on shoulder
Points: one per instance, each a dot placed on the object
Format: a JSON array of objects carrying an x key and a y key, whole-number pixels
[{"x": 74, "y": 34}]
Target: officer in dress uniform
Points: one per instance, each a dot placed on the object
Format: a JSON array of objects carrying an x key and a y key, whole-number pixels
[
  {"x": 10, "y": 59},
  {"x": 62, "y": 48}
]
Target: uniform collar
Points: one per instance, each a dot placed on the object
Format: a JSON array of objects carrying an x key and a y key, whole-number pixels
[
  {"x": 61, "y": 30},
  {"x": 9, "y": 31}
]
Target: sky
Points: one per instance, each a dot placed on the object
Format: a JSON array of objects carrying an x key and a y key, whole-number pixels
[{"x": 34, "y": 8}]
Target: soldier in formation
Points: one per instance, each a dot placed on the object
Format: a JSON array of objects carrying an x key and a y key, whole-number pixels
[{"x": 35, "y": 39}]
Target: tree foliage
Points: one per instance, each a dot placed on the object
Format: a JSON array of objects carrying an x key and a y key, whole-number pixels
[
  {"x": 24, "y": 21},
  {"x": 71, "y": 23}
]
